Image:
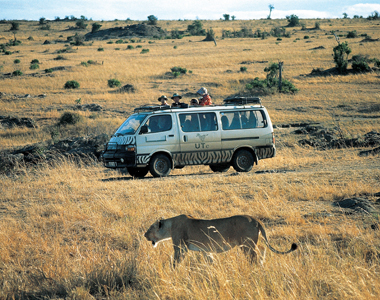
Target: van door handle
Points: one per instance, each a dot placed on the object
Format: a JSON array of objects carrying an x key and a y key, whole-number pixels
[
  {"x": 185, "y": 138},
  {"x": 171, "y": 135}
]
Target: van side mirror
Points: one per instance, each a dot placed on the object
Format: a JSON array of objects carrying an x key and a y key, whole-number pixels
[{"x": 144, "y": 129}]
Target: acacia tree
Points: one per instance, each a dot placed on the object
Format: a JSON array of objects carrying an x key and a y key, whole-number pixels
[
  {"x": 271, "y": 7},
  {"x": 293, "y": 20},
  {"x": 152, "y": 20},
  {"x": 340, "y": 55}
]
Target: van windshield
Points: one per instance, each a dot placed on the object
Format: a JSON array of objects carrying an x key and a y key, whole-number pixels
[{"x": 130, "y": 125}]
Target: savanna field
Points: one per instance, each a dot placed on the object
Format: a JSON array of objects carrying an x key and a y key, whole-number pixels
[{"x": 72, "y": 229}]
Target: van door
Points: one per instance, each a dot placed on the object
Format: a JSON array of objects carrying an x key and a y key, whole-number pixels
[
  {"x": 199, "y": 138},
  {"x": 161, "y": 135}
]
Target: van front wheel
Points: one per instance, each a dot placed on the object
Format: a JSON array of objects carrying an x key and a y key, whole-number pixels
[
  {"x": 160, "y": 165},
  {"x": 243, "y": 161}
]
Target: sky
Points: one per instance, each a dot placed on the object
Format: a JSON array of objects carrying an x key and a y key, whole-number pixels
[{"x": 98, "y": 10}]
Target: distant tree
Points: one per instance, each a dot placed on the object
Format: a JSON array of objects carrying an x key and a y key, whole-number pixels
[
  {"x": 57, "y": 19},
  {"x": 340, "y": 55},
  {"x": 152, "y": 20},
  {"x": 293, "y": 20},
  {"x": 210, "y": 35},
  {"x": 374, "y": 16},
  {"x": 226, "y": 17},
  {"x": 196, "y": 28},
  {"x": 81, "y": 24},
  {"x": 95, "y": 27},
  {"x": 345, "y": 16},
  {"x": 42, "y": 21},
  {"x": 15, "y": 26},
  {"x": 233, "y": 18},
  {"x": 83, "y": 18},
  {"x": 271, "y": 7}
]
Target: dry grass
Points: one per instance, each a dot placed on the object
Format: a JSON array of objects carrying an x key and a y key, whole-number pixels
[{"x": 76, "y": 231}]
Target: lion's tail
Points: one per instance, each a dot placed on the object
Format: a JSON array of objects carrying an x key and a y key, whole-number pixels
[{"x": 294, "y": 246}]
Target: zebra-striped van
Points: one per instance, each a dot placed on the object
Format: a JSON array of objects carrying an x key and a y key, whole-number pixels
[{"x": 157, "y": 139}]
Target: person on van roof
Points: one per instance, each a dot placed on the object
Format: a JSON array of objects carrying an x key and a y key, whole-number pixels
[
  {"x": 194, "y": 102},
  {"x": 176, "y": 99},
  {"x": 205, "y": 99},
  {"x": 163, "y": 100}
]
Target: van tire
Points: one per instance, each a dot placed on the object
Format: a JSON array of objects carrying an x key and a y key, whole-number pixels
[
  {"x": 138, "y": 172},
  {"x": 160, "y": 165},
  {"x": 243, "y": 161},
  {"x": 219, "y": 168}
]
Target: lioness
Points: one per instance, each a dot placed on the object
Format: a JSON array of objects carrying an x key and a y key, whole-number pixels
[{"x": 216, "y": 235}]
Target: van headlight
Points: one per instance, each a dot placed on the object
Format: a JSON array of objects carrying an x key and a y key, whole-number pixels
[{"x": 130, "y": 148}]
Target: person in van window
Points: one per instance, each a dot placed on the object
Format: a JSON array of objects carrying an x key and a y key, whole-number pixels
[
  {"x": 163, "y": 100},
  {"x": 235, "y": 124},
  {"x": 205, "y": 97},
  {"x": 176, "y": 99},
  {"x": 194, "y": 102}
]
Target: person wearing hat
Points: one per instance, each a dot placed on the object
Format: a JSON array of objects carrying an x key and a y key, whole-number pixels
[
  {"x": 205, "y": 99},
  {"x": 176, "y": 99},
  {"x": 194, "y": 102},
  {"x": 163, "y": 100}
]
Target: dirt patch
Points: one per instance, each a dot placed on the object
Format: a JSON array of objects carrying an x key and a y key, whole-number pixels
[{"x": 136, "y": 30}]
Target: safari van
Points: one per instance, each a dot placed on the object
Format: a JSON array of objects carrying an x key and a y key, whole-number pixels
[{"x": 157, "y": 139}]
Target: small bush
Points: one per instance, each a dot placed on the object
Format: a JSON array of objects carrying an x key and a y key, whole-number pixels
[
  {"x": 113, "y": 83},
  {"x": 100, "y": 49},
  {"x": 360, "y": 63},
  {"x": 30, "y": 38},
  {"x": 144, "y": 51},
  {"x": 34, "y": 66},
  {"x": 16, "y": 61},
  {"x": 48, "y": 70},
  {"x": 95, "y": 27},
  {"x": 7, "y": 52},
  {"x": 59, "y": 57},
  {"x": 130, "y": 47},
  {"x": 119, "y": 42},
  {"x": 72, "y": 84},
  {"x": 69, "y": 118},
  {"x": 17, "y": 73},
  {"x": 179, "y": 70},
  {"x": 306, "y": 37},
  {"x": 84, "y": 64},
  {"x": 91, "y": 62},
  {"x": 35, "y": 61},
  {"x": 243, "y": 69},
  {"x": 352, "y": 34}
]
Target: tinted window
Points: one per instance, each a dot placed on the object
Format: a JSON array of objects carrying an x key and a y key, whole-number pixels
[
  {"x": 245, "y": 119},
  {"x": 198, "y": 122},
  {"x": 130, "y": 125},
  {"x": 159, "y": 123}
]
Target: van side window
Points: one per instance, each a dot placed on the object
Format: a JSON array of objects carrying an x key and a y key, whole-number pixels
[
  {"x": 244, "y": 119},
  {"x": 159, "y": 123},
  {"x": 198, "y": 122}
]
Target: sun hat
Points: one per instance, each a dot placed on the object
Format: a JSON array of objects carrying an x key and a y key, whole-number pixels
[
  {"x": 202, "y": 91},
  {"x": 176, "y": 95},
  {"x": 194, "y": 101},
  {"x": 163, "y": 96}
]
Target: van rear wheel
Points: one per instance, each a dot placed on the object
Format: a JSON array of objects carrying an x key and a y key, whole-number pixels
[
  {"x": 219, "y": 168},
  {"x": 160, "y": 165},
  {"x": 138, "y": 172},
  {"x": 243, "y": 161}
]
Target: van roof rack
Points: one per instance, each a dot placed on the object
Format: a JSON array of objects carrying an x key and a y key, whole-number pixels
[
  {"x": 150, "y": 107},
  {"x": 242, "y": 100}
]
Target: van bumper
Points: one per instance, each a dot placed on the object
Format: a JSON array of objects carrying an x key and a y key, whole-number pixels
[{"x": 119, "y": 159}]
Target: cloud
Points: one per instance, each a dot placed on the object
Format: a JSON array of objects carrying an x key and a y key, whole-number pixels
[{"x": 361, "y": 9}]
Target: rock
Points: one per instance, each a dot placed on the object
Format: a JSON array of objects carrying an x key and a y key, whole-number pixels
[
  {"x": 357, "y": 204},
  {"x": 129, "y": 88},
  {"x": 9, "y": 122}
]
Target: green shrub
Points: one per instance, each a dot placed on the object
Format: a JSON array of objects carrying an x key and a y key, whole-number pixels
[
  {"x": 7, "y": 52},
  {"x": 243, "y": 69},
  {"x": 144, "y": 51},
  {"x": 59, "y": 57},
  {"x": 91, "y": 62},
  {"x": 179, "y": 70},
  {"x": 360, "y": 63},
  {"x": 113, "y": 83},
  {"x": 152, "y": 20},
  {"x": 293, "y": 20},
  {"x": 83, "y": 63},
  {"x": 306, "y": 37},
  {"x": 95, "y": 27},
  {"x": 48, "y": 70},
  {"x": 15, "y": 26},
  {"x": 352, "y": 34},
  {"x": 340, "y": 55},
  {"x": 100, "y": 49},
  {"x": 110, "y": 42},
  {"x": 130, "y": 47},
  {"x": 34, "y": 66},
  {"x": 210, "y": 35},
  {"x": 72, "y": 84},
  {"x": 35, "y": 61},
  {"x": 16, "y": 61},
  {"x": 69, "y": 118},
  {"x": 17, "y": 73},
  {"x": 119, "y": 42}
]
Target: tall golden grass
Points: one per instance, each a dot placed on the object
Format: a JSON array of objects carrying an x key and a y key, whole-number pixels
[{"x": 75, "y": 230}]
